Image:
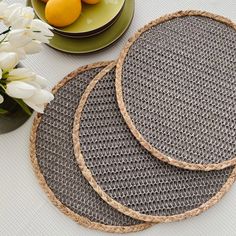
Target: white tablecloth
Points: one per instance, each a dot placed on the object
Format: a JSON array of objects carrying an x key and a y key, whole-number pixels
[{"x": 24, "y": 207}]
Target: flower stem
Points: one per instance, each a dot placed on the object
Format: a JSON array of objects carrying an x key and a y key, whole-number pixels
[
  {"x": 1, "y": 86},
  {"x": 23, "y": 106},
  {"x": 6, "y": 33},
  {"x": 3, "y": 112}
]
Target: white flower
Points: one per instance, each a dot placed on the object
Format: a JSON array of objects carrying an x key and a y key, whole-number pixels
[
  {"x": 11, "y": 8},
  {"x": 20, "y": 89},
  {"x": 1, "y": 99},
  {"x": 25, "y": 35},
  {"x": 41, "y": 31},
  {"x": 19, "y": 37},
  {"x": 3, "y": 6},
  {"x": 30, "y": 38},
  {"x": 7, "y": 47},
  {"x": 39, "y": 107},
  {"x": 37, "y": 101},
  {"x": 42, "y": 82},
  {"x": 21, "y": 74},
  {"x": 12, "y": 13},
  {"x": 26, "y": 85},
  {"x": 8, "y": 60},
  {"x": 42, "y": 26},
  {"x": 33, "y": 47},
  {"x": 36, "y": 30},
  {"x": 41, "y": 96},
  {"x": 21, "y": 18}
]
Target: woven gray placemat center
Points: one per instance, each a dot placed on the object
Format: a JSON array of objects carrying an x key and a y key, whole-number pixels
[
  {"x": 55, "y": 164},
  {"x": 126, "y": 175},
  {"x": 176, "y": 88}
]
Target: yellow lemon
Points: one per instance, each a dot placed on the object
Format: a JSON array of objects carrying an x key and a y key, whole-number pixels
[
  {"x": 91, "y": 1},
  {"x": 61, "y": 13}
]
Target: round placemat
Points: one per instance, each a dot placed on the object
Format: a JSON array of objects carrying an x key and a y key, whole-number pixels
[
  {"x": 176, "y": 89},
  {"x": 126, "y": 175},
  {"x": 55, "y": 164}
]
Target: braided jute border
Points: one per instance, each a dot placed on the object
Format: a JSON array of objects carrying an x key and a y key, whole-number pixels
[
  {"x": 125, "y": 210},
  {"x": 76, "y": 217},
  {"x": 119, "y": 93}
]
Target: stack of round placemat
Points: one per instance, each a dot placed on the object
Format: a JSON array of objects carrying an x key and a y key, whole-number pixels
[{"x": 150, "y": 138}]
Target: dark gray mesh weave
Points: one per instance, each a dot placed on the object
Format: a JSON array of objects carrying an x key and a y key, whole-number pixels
[
  {"x": 127, "y": 172},
  {"x": 179, "y": 87},
  {"x": 54, "y": 151}
]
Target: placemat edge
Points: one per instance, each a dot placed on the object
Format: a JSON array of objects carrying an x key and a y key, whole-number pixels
[
  {"x": 121, "y": 103},
  {"x": 123, "y": 209},
  {"x": 77, "y": 218}
]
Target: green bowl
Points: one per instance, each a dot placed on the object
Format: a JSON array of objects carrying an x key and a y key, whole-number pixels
[
  {"x": 93, "y": 19},
  {"x": 99, "y": 41}
]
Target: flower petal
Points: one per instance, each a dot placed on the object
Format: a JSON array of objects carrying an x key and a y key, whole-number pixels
[
  {"x": 33, "y": 83},
  {"x": 3, "y": 6},
  {"x": 40, "y": 37},
  {"x": 41, "y": 31},
  {"x": 41, "y": 96},
  {"x": 33, "y": 47},
  {"x": 41, "y": 81},
  {"x": 38, "y": 108},
  {"x": 7, "y": 47},
  {"x": 1, "y": 99},
  {"x": 42, "y": 26},
  {"x": 21, "y": 74},
  {"x": 11, "y": 13},
  {"x": 22, "y": 18},
  {"x": 19, "y": 37},
  {"x": 28, "y": 13},
  {"x": 19, "y": 89},
  {"x": 20, "y": 23},
  {"x": 8, "y": 60}
]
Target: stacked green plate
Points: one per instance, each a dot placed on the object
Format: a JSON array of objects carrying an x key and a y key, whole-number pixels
[{"x": 98, "y": 26}]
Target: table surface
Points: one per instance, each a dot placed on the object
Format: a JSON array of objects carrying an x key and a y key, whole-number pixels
[{"x": 24, "y": 207}]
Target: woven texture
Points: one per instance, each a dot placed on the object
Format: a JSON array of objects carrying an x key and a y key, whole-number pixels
[
  {"x": 179, "y": 88},
  {"x": 127, "y": 172},
  {"x": 55, "y": 156}
]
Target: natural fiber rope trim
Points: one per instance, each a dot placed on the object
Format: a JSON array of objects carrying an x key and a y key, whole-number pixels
[
  {"x": 122, "y": 105},
  {"x": 125, "y": 210},
  {"x": 76, "y": 217}
]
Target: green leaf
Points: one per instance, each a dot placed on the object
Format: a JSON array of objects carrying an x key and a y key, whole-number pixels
[
  {"x": 3, "y": 111},
  {"x": 23, "y": 106},
  {"x": 2, "y": 86}
]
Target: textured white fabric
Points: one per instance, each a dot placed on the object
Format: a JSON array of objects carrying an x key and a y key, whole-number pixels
[{"x": 25, "y": 209}]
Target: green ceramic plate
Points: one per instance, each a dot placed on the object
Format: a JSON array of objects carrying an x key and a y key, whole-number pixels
[
  {"x": 90, "y": 33},
  {"x": 97, "y": 42},
  {"x": 92, "y": 18}
]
